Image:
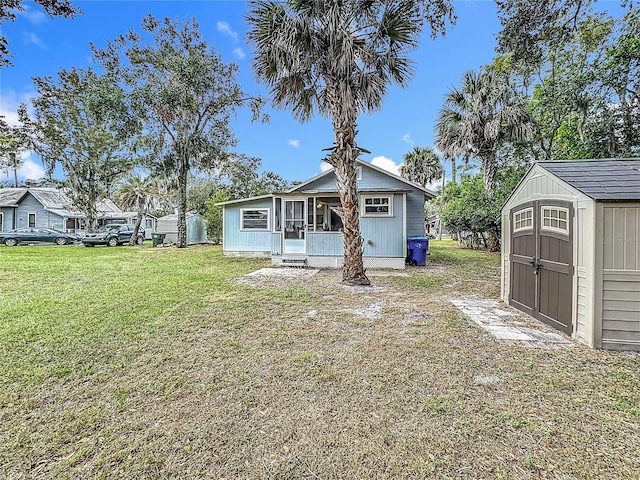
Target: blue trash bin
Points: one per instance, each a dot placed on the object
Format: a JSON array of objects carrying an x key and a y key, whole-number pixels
[{"x": 417, "y": 250}]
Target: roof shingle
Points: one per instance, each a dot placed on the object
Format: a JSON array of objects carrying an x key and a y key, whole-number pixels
[{"x": 606, "y": 180}]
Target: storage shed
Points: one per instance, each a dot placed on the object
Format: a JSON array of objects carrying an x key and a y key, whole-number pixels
[
  {"x": 571, "y": 249},
  {"x": 196, "y": 228}
]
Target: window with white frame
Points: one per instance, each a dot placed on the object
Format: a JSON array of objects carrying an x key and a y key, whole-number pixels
[
  {"x": 254, "y": 219},
  {"x": 31, "y": 220},
  {"x": 377, "y": 206},
  {"x": 1, "y": 221},
  {"x": 555, "y": 219},
  {"x": 523, "y": 219}
]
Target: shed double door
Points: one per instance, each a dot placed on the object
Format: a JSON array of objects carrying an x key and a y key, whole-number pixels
[{"x": 542, "y": 262}]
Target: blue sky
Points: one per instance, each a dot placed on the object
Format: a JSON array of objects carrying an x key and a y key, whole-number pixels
[{"x": 42, "y": 46}]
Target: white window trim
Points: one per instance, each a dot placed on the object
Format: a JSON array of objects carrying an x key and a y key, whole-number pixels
[
  {"x": 35, "y": 220},
  {"x": 243, "y": 229},
  {"x": 374, "y": 215},
  {"x": 519, "y": 212},
  {"x": 1, "y": 221},
  {"x": 554, "y": 229}
]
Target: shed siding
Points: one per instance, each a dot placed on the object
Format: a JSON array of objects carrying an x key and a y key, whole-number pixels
[
  {"x": 585, "y": 264},
  {"x": 236, "y": 240},
  {"x": 415, "y": 214},
  {"x": 621, "y": 276},
  {"x": 621, "y": 310},
  {"x": 621, "y": 237}
]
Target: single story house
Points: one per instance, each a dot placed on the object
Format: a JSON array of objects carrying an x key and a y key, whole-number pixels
[
  {"x": 571, "y": 249},
  {"x": 302, "y": 226},
  {"x": 45, "y": 207}
]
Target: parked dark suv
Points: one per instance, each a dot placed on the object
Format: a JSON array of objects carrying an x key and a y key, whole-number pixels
[{"x": 112, "y": 235}]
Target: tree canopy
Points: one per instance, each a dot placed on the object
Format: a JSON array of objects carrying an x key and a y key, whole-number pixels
[
  {"x": 185, "y": 94},
  {"x": 338, "y": 59},
  {"x": 82, "y": 123}
]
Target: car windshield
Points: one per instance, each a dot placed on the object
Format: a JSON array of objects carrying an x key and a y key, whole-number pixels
[{"x": 108, "y": 228}]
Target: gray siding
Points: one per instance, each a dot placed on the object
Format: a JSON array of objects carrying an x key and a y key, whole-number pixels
[
  {"x": 44, "y": 219},
  {"x": 7, "y": 218},
  {"x": 621, "y": 276},
  {"x": 371, "y": 180},
  {"x": 236, "y": 240},
  {"x": 415, "y": 214}
]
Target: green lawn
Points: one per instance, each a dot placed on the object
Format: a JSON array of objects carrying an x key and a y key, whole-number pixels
[{"x": 156, "y": 363}]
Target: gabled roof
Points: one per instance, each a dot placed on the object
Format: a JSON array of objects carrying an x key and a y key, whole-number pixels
[
  {"x": 607, "y": 180},
  {"x": 53, "y": 200},
  {"x": 414, "y": 186},
  {"x": 9, "y": 197}
]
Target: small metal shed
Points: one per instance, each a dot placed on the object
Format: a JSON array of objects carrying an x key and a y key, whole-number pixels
[
  {"x": 571, "y": 249},
  {"x": 196, "y": 228}
]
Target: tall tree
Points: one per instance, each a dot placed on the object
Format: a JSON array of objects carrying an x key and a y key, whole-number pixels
[
  {"x": 8, "y": 9},
  {"x": 337, "y": 59},
  {"x": 82, "y": 123},
  {"x": 478, "y": 117},
  {"x": 139, "y": 193},
  {"x": 422, "y": 166},
  {"x": 12, "y": 143},
  {"x": 184, "y": 92}
]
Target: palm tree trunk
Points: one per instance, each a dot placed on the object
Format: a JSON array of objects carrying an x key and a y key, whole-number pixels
[
  {"x": 136, "y": 229},
  {"x": 454, "y": 169},
  {"x": 182, "y": 206},
  {"x": 343, "y": 160},
  {"x": 489, "y": 171}
]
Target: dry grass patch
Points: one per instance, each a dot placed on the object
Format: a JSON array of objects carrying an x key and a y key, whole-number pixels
[{"x": 194, "y": 375}]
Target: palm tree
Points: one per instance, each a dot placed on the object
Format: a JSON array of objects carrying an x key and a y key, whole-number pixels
[
  {"x": 336, "y": 59},
  {"x": 480, "y": 116},
  {"x": 422, "y": 166},
  {"x": 137, "y": 193}
]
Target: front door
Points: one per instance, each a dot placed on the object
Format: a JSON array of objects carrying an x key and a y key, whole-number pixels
[
  {"x": 542, "y": 261},
  {"x": 293, "y": 227}
]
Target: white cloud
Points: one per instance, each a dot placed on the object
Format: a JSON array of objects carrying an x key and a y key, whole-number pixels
[
  {"x": 324, "y": 166},
  {"x": 30, "y": 37},
  {"x": 294, "y": 143},
  {"x": 406, "y": 138},
  {"x": 33, "y": 16},
  {"x": 386, "y": 164},
  {"x": 29, "y": 169},
  {"x": 9, "y": 103},
  {"x": 239, "y": 53},
  {"x": 225, "y": 28}
]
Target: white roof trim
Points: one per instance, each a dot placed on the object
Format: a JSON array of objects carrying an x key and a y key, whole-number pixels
[{"x": 242, "y": 200}]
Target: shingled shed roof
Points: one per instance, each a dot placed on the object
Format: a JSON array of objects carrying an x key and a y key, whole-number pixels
[{"x": 606, "y": 180}]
